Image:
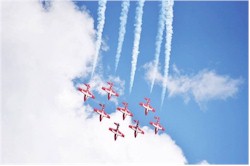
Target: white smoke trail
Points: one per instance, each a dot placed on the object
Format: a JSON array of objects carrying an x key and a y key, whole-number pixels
[
  {"x": 159, "y": 38},
  {"x": 122, "y": 30},
  {"x": 101, "y": 21},
  {"x": 138, "y": 24},
  {"x": 169, "y": 33}
]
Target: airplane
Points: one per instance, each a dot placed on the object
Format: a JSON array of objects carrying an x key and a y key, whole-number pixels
[
  {"x": 147, "y": 106},
  {"x": 157, "y": 125},
  {"x": 136, "y": 128},
  {"x": 102, "y": 112},
  {"x": 86, "y": 92},
  {"x": 110, "y": 91},
  {"x": 116, "y": 131},
  {"x": 124, "y": 110}
]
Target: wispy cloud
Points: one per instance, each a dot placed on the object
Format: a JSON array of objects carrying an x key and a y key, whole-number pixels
[
  {"x": 122, "y": 30},
  {"x": 159, "y": 38},
  {"x": 137, "y": 32},
  {"x": 204, "y": 86},
  {"x": 100, "y": 26},
  {"x": 169, "y": 33}
]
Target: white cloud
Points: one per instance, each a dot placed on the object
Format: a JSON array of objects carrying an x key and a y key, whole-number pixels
[
  {"x": 43, "y": 120},
  {"x": 104, "y": 45},
  {"x": 152, "y": 73},
  {"x": 204, "y": 86}
]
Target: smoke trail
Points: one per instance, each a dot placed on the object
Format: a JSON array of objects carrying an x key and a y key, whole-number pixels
[
  {"x": 122, "y": 30},
  {"x": 159, "y": 38},
  {"x": 138, "y": 24},
  {"x": 169, "y": 33},
  {"x": 101, "y": 21}
]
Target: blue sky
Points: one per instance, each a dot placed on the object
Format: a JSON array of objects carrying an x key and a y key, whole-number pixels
[{"x": 207, "y": 36}]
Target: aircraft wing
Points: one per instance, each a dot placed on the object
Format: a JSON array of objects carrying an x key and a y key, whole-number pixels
[
  {"x": 129, "y": 113},
  {"x": 121, "y": 134},
  {"x": 116, "y": 94},
  {"x": 96, "y": 110},
  {"x": 80, "y": 89},
  {"x": 92, "y": 96},
  {"x": 132, "y": 127},
  {"x": 140, "y": 130},
  {"x": 153, "y": 109},
  {"x": 106, "y": 115},
  {"x": 119, "y": 108}
]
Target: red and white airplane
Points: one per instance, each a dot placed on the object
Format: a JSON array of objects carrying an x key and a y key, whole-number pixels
[
  {"x": 86, "y": 92},
  {"x": 110, "y": 91},
  {"x": 116, "y": 131},
  {"x": 102, "y": 112},
  {"x": 124, "y": 110},
  {"x": 157, "y": 125},
  {"x": 136, "y": 128},
  {"x": 147, "y": 106}
]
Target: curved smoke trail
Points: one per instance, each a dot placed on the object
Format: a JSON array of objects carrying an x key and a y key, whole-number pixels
[
  {"x": 159, "y": 37},
  {"x": 169, "y": 33},
  {"x": 122, "y": 30},
  {"x": 138, "y": 24},
  {"x": 101, "y": 21}
]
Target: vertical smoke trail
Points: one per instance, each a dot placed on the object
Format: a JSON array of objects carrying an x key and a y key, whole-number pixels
[
  {"x": 138, "y": 24},
  {"x": 159, "y": 37},
  {"x": 122, "y": 30},
  {"x": 101, "y": 21},
  {"x": 169, "y": 33}
]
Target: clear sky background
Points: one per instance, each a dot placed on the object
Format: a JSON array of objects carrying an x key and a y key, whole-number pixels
[{"x": 207, "y": 36}]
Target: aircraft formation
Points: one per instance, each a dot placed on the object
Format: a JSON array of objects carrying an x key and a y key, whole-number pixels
[{"x": 124, "y": 110}]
